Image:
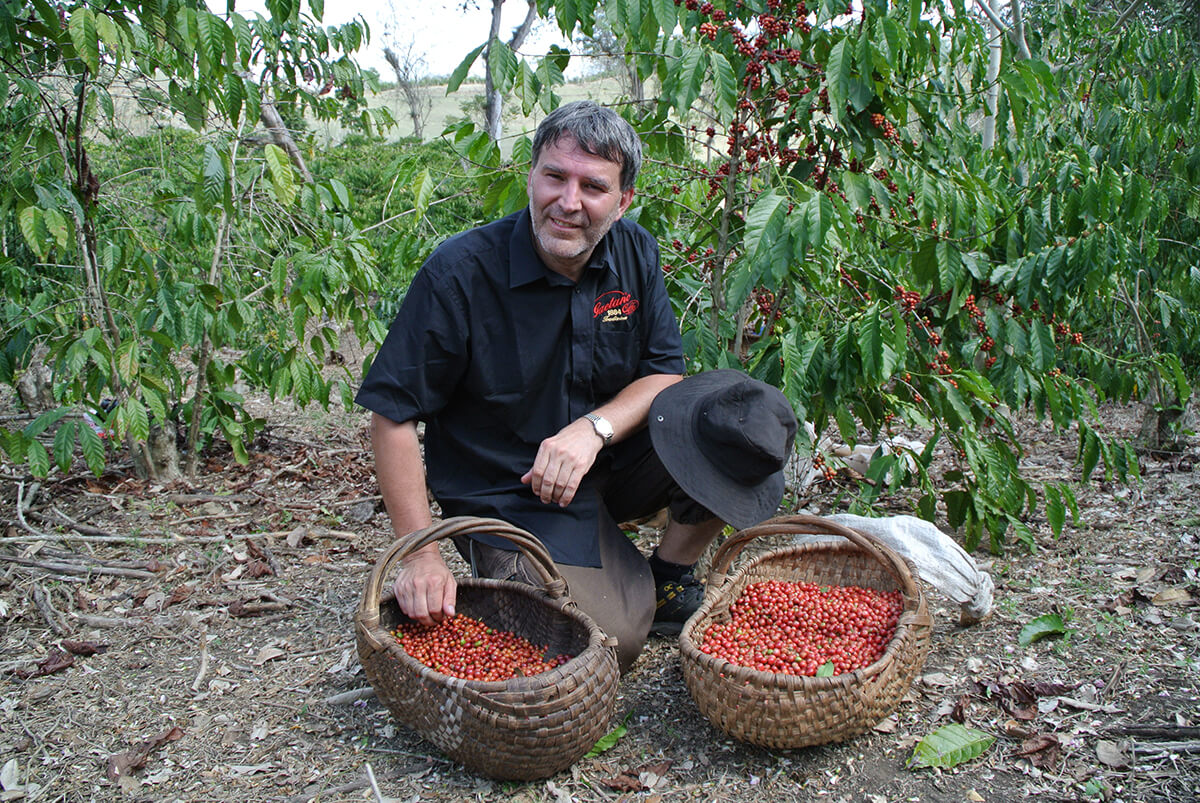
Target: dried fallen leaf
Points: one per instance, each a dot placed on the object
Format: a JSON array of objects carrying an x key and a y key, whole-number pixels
[
  {"x": 120, "y": 764},
  {"x": 1016, "y": 729},
  {"x": 625, "y": 782},
  {"x": 55, "y": 661},
  {"x": 296, "y": 536},
  {"x": 258, "y": 568},
  {"x": 974, "y": 797},
  {"x": 888, "y": 725},
  {"x": 937, "y": 679},
  {"x": 1112, "y": 755},
  {"x": 84, "y": 648},
  {"x": 268, "y": 654},
  {"x": 1172, "y": 596},
  {"x": 1042, "y": 749}
]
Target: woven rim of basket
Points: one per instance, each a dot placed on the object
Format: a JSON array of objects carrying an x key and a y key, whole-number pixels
[
  {"x": 909, "y": 628},
  {"x": 595, "y": 646}
]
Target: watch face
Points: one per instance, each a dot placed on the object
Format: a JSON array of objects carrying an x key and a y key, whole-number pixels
[{"x": 602, "y": 427}]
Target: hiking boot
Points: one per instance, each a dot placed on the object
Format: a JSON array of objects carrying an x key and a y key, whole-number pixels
[{"x": 677, "y": 599}]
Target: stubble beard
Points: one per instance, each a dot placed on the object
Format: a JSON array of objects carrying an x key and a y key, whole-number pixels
[{"x": 565, "y": 251}]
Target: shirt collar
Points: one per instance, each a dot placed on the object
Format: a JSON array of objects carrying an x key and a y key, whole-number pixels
[{"x": 525, "y": 266}]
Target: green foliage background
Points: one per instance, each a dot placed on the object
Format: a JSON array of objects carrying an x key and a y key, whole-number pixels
[{"x": 830, "y": 217}]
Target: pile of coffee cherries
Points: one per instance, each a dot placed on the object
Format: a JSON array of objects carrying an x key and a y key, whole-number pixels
[
  {"x": 796, "y": 628},
  {"x": 467, "y": 648}
]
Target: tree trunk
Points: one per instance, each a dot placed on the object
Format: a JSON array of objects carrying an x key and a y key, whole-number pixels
[
  {"x": 282, "y": 137},
  {"x": 494, "y": 107}
]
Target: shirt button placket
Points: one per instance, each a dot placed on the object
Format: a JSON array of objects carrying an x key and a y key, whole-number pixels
[{"x": 581, "y": 349}]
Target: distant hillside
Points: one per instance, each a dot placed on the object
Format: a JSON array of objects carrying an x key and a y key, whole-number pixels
[{"x": 450, "y": 107}]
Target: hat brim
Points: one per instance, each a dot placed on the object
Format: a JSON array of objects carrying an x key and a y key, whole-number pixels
[{"x": 673, "y": 432}]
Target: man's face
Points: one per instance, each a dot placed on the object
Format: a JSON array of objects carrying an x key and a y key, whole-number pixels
[{"x": 574, "y": 198}]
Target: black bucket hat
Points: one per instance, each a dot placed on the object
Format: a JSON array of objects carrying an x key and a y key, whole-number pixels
[{"x": 725, "y": 438}]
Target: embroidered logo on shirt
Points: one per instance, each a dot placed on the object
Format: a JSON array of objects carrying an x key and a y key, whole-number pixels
[{"x": 615, "y": 305}]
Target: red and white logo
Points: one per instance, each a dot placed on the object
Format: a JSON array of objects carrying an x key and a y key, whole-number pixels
[{"x": 615, "y": 305}]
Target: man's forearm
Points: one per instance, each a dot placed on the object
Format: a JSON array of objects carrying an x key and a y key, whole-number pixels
[
  {"x": 627, "y": 410},
  {"x": 401, "y": 473}
]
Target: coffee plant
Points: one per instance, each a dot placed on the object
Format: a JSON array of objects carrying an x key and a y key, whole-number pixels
[
  {"x": 131, "y": 297},
  {"x": 833, "y": 222}
]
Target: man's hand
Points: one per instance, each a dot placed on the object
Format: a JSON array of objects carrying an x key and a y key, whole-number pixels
[
  {"x": 562, "y": 461},
  {"x": 425, "y": 587}
]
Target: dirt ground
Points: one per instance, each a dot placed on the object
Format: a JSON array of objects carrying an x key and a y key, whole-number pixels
[{"x": 195, "y": 643}]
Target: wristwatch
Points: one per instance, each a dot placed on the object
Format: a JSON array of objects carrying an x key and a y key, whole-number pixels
[{"x": 602, "y": 426}]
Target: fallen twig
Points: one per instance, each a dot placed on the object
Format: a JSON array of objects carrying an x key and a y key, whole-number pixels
[
  {"x": 79, "y": 571},
  {"x": 1167, "y": 747},
  {"x": 1159, "y": 731},
  {"x": 22, "y": 504},
  {"x": 374, "y": 785},
  {"x": 203, "y": 660},
  {"x": 352, "y": 696},
  {"x": 189, "y": 499},
  {"x": 53, "y": 618}
]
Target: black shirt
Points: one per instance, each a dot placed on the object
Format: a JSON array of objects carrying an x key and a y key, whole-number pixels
[{"x": 496, "y": 352}]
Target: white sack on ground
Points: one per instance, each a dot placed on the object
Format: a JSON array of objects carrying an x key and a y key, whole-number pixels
[{"x": 938, "y": 559}]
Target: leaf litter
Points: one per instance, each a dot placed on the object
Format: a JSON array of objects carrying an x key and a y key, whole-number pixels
[{"x": 256, "y": 612}]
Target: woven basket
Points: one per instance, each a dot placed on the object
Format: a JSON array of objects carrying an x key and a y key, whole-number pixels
[
  {"x": 520, "y": 729},
  {"x": 787, "y": 711}
]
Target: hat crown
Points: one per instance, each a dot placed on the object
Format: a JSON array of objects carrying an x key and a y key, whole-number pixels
[
  {"x": 725, "y": 438},
  {"x": 745, "y": 432}
]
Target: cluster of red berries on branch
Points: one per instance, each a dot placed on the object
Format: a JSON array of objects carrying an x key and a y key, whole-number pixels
[
  {"x": 853, "y": 284},
  {"x": 796, "y": 628},
  {"x": 466, "y": 648},
  {"x": 883, "y": 124},
  {"x": 909, "y": 299},
  {"x": 828, "y": 472}
]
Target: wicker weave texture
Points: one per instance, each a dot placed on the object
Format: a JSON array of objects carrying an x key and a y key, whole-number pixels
[
  {"x": 789, "y": 711},
  {"x": 521, "y": 729}
]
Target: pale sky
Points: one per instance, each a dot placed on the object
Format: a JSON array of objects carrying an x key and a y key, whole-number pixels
[{"x": 443, "y": 32}]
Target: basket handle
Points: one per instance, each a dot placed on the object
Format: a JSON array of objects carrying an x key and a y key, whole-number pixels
[
  {"x": 402, "y": 547},
  {"x": 793, "y": 525}
]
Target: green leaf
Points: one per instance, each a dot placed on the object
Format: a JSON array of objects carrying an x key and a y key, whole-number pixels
[
  {"x": 837, "y": 78},
  {"x": 422, "y": 189},
  {"x": 502, "y": 64},
  {"x": 460, "y": 72},
  {"x": 724, "y": 85},
  {"x": 825, "y": 670},
  {"x": 214, "y": 181},
  {"x": 765, "y": 227},
  {"x": 279, "y": 275},
  {"x": 1050, "y": 624},
  {"x": 56, "y": 225},
  {"x": 283, "y": 180},
  {"x": 1056, "y": 511},
  {"x": 1041, "y": 347},
  {"x": 951, "y": 745},
  {"x": 610, "y": 739},
  {"x": 33, "y": 228},
  {"x": 1089, "y": 452},
  {"x": 137, "y": 420},
  {"x": 44, "y": 421},
  {"x": 128, "y": 361},
  {"x": 93, "y": 450},
  {"x": 64, "y": 444},
  {"x": 82, "y": 27},
  {"x": 38, "y": 458},
  {"x": 666, "y": 14},
  {"x": 870, "y": 346},
  {"x": 685, "y": 79}
]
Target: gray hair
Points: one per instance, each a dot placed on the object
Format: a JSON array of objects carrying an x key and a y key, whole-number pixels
[{"x": 597, "y": 130}]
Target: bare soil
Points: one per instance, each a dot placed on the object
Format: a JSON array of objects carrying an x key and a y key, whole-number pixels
[{"x": 223, "y": 667}]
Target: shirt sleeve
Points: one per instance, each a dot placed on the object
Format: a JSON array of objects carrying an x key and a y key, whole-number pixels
[
  {"x": 663, "y": 349},
  {"x": 423, "y": 357}
]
